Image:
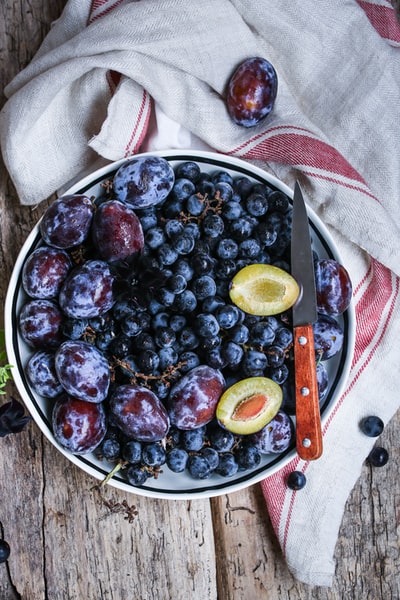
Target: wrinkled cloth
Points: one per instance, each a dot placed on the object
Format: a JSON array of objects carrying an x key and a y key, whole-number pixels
[{"x": 113, "y": 78}]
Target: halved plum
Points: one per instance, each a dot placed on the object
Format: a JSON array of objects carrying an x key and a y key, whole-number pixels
[
  {"x": 263, "y": 290},
  {"x": 249, "y": 405}
]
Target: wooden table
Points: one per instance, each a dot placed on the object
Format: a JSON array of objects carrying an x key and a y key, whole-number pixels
[{"x": 68, "y": 545}]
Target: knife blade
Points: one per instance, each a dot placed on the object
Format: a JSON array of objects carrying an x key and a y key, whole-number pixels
[{"x": 308, "y": 420}]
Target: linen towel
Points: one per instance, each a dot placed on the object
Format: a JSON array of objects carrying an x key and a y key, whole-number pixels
[{"x": 114, "y": 77}]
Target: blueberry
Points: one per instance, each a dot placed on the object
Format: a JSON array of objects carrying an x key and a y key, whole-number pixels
[
  {"x": 221, "y": 439},
  {"x": 188, "y": 170},
  {"x": 195, "y": 204},
  {"x": 262, "y": 334},
  {"x": 188, "y": 338},
  {"x": 185, "y": 302},
  {"x": 153, "y": 454},
  {"x": 132, "y": 451},
  {"x": 182, "y": 267},
  {"x": 222, "y": 175},
  {"x": 202, "y": 263},
  {"x": 257, "y": 204},
  {"x": 136, "y": 475},
  {"x": 189, "y": 360},
  {"x": 227, "y": 316},
  {"x": 148, "y": 361},
  {"x": 254, "y": 362},
  {"x": 249, "y": 248},
  {"x": 193, "y": 439},
  {"x": 239, "y": 334},
  {"x": 206, "y": 325},
  {"x": 232, "y": 353},
  {"x": 198, "y": 467},
  {"x": 183, "y": 243},
  {"x": 183, "y": 188},
  {"x": 223, "y": 190},
  {"x": 213, "y": 225},
  {"x": 155, "y": 237},
  {"x": 131, "y": 326},
  {"x": 168, "y": 357},
  {"x": 177, "y": 322},
  {"x": 232, "y": 210},
  {"x": 110, "y": 449},
  {"x": 241, "y": 229},
  {"x": 227, "y": 466},
  {"x": 227, "y": 248},
  {"x": 248, "y": 457},
  {"x": 167, "y": 254},
  {"x": 372, "y": 426},
  {"x": 203, "y": 286},
  {"x": 177, "y": 459},
  {"x": 378, "y": 457},
  {"x": 211, "y": 456},
  {"x": 278, "y": 201},
  {"x": 4, "y": 551},
  {"x": 296, "y": 480}
]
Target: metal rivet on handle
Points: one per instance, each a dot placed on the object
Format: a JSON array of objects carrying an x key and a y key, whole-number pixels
[
  {"x": 306, "y": 443},
  {"x": 302, "y": 340},
  {"x": 304, "y": 391}
]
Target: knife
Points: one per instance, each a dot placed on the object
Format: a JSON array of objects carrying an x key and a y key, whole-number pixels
[{"x": 308, "y": 420}]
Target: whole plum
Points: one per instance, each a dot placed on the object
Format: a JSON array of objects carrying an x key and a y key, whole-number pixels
[
  {"x": 117, "y": 232},
  {"x": 328, "y": 337},
  {"x": 66, "y": 222},
  {"x": 44, "y": 272},
  {"x": 87, "y": 291},
  {"x": 144, "y": 181},
  {"x": 252, "y": 91},
  {"x": 333, "y": 287},
  {"x": 41, "y": 373},
  {"x": 275, "y": 437},
  {"x": 82, "y": 370},
  {"x": 78, "y": 426},
  {"x": 193, "y": 399},
  {"x": 40, "y": 324},
  {"x": 139, "y": 414}
]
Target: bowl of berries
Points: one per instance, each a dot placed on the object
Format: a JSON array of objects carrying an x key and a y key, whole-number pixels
[{"x": 132, "y": 324}]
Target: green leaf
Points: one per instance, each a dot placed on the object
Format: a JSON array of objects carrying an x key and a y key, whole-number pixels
[{"x": 5, "y": 368}]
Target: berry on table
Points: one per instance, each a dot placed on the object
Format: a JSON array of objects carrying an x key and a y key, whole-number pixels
[
  {"x": 372, "y": 426},
  {"x": 296, "y": 480},
  {"x": 378, "y": 457}
]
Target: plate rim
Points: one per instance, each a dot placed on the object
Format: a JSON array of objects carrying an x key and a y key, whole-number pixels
[{"x": 81, "y": 461}]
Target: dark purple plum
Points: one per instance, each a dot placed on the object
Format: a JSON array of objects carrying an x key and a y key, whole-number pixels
[
  {"x": 333, "y": 287},
  {"x": 193, "y": 399},
  {"x": 144, "y": 181},
  {"x": 117, "y": 232},
  {"x": 66, "y": 222},
  {"x": 139, "y": 414},
  {"x": 88, "y": 290},
  {"x": 78, "y": 426},
  {"x": 41, "y": 372},
  {"x": 275, "y": 437},
  {"x": 83, "y": 371},
  {"x": 45, "y": 271},
  {"x": 40, "y": 324},
  {"x": 252, "y": 91},
  {"x": 322, "y": 380},
  {"x": 328, "y": 337}
]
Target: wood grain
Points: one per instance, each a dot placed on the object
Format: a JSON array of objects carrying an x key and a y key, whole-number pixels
[
  {"x": 308, "y": 421},
  {"x": 68, "y": 544}
]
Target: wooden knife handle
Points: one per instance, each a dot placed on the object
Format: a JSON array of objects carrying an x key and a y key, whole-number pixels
[{"x": 308, "y": 420}]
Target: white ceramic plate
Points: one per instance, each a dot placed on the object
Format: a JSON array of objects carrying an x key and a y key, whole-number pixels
[{"x": 168, "y": 484}]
